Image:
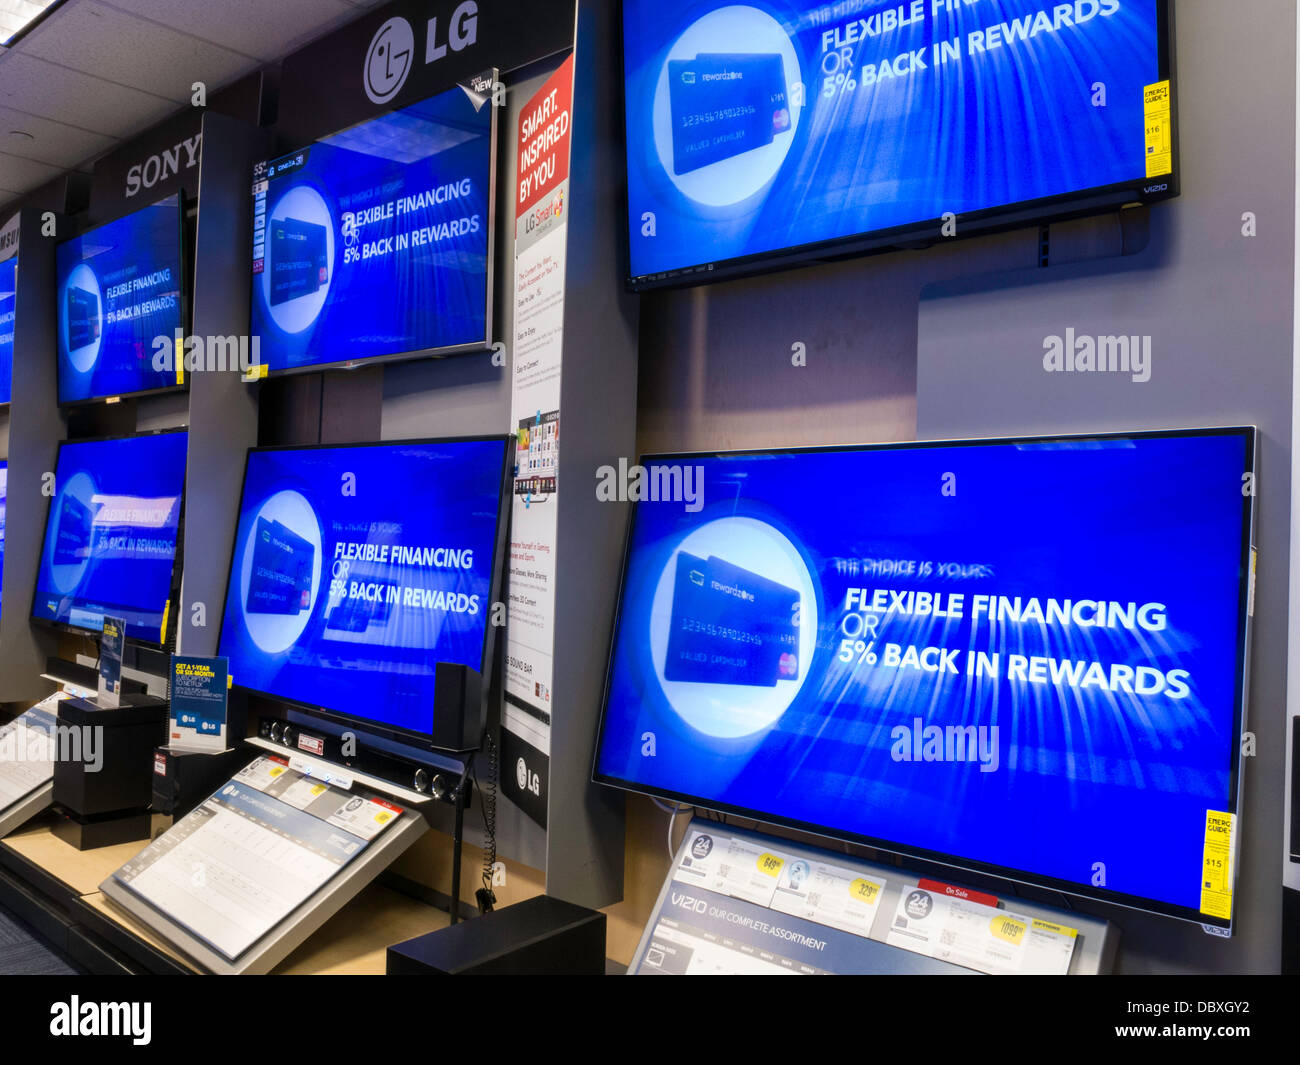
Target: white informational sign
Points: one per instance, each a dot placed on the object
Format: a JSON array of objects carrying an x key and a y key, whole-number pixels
[
  {"x": 541, "y": 232},
  {"x": 981, "y": 937},
  {"x": 251, "y": 854}
]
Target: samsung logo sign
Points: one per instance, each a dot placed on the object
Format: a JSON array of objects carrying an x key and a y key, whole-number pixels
[
  {"x": 160, "y": 167},
  {"x": 391, "y": 53}
]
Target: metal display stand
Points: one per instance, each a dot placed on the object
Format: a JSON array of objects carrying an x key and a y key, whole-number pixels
[
  {"x": 691, "y": 922},
  {"x": 291, "y": 931}
]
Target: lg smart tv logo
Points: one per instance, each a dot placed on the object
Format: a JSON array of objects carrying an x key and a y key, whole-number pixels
[{"x": 392, "y": 51}]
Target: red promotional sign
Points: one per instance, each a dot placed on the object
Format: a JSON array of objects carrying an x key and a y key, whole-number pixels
[
  {"x": 938, "y": 887},
  {"x": 545, "y": 127}
]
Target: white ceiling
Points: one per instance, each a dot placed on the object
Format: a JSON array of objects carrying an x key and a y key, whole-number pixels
[{"x": 94, "y": 74}]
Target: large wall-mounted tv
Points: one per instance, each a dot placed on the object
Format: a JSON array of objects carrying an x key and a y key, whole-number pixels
[
  {"x": 767, "y": 133},
  {"x": 8, "y": 306},
  {"x": 357, "y": 569},
  {"x": 377, "y": 242},
  {"x": 111, "y": 535},
  {"x": 120, "y": 302},
  {"x": 1021, "y": 657}
]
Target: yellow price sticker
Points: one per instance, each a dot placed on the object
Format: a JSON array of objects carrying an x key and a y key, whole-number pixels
[
  {"x": 1052, "y": 926},
  {"x": 770, "y": 864},
  {"x": 1216, "y": 864},
  {"x": 1008, "y": 928},
  {"x": 383, "y": 817},
  {"x": 1158, "y": 124},
  {"x": 256, "y": 372},
  {"x": 276, "y": 770},
  {"x": 317, "y": 789},
  {"x": 864, "y": 890}
]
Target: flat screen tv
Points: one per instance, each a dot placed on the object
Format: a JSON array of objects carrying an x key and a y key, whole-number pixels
[
  {"x": 1019, "y": 657},
  {"x": 111, "y": 535},
  {"x": 376, "y": 243},
  {"x": 8, "y": 304},
  {"x": 356, "y": 570},
  {"x": 120, "y": 302},
  {"x": 768, "y": 133}
]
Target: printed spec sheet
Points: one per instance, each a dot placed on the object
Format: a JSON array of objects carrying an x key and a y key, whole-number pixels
[{"x": 253, "y": 852}]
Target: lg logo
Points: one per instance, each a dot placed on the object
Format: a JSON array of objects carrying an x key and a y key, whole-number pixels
[
  {"x": 392, "y": 49},
  {"x": 389, "y": 60},
  {"x": 526, "y": 780}
]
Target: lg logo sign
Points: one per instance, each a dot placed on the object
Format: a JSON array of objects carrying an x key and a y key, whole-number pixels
[
  {"x": 527, "y": 781},
  {"x": 389, "y": 60},
  {"x": 392, "y": 49}
]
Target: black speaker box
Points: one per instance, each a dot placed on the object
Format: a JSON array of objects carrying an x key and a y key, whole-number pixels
[{"x": 542, "y": 936}]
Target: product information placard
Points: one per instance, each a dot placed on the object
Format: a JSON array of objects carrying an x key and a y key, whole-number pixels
[
  {"x": 198, "y": 703},
  {"x": 253, "y": 852},
  {"x": 542, "y": 210},
  {"x": 110, "y": 663}
]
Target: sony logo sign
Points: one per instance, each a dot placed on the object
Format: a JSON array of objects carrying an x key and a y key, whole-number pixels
[{"x": 164, "y": 164}]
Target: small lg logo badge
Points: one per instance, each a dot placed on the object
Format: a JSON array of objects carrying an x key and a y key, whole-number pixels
[
  {"x": 527, "y": 780},
  {"x": 389, "y": 60}
]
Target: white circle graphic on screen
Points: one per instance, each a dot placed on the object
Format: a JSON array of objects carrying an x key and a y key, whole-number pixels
[
  {"x": 275, "y": 632},
  {"x": 388, "y": 60},
  {"x": 733, "y": 33},
  {"x": 730, "y": 711},
  {"x": 74, "y": 533},
  {"x": 82, "y": 297},
  {"x": 299, "y": 209}
]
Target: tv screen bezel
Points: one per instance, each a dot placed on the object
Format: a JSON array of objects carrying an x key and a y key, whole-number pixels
[
  {"x": 182, "y": 380},
  {"x": 926, "y": 232},
  {"x": 1021, "y": 876},
  {"x": 173, "y": 593},
  {"x": 489, "y": 283},
  {"x": 362, "y": 725}
]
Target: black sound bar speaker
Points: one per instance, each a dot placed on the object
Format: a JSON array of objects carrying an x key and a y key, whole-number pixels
[
  {"x": 459, "y": 713},
  {"x": 541, "y": 936}
]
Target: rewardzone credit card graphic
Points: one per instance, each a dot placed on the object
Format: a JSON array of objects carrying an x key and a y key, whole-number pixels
[
  {"x": 723, "y": 105},
  {"x": 72, "y": 536},
  {"x": 282, "y": 567},
  {"x": 730, "y": 625},
  {"x": 83, "y": 317},
  {"x": 299, "y": 260}
]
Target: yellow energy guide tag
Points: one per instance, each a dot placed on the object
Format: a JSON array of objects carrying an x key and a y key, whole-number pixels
[
  {"x": 1158, "y": 120},
  {"x": 1216, "y": 865}
]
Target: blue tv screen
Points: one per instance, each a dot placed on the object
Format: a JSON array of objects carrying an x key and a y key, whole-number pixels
[
  {"x": 8, "y": 303},
  {"x": 119, "y": 301},
  {"x": 1019, "y": 657},
  {"x": 776, "y": 130},
  {"x": 376, "y": 242},
  {"x": 110, "y": 535},
  {"x": 356, "y": 570}
]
